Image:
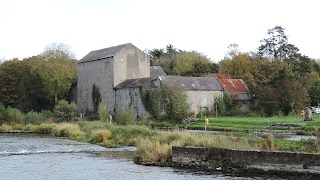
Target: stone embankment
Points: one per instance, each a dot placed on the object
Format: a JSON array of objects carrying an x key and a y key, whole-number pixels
[{"x": 216, "y": 159}]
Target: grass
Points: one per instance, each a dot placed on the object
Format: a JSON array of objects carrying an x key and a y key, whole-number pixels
[{"x": 248, "y": 124}]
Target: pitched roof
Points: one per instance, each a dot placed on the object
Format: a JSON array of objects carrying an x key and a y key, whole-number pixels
[
  {"x": 134, "y": 83},
  {"x": 156, "y": 71},
  {"x": 193, "y": 83},
  {"x": 234, "y": 85},
  {"x": 102, "y": 53}
]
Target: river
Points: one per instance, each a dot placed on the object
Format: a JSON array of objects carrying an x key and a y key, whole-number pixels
[{"x": 29, "y": 156}]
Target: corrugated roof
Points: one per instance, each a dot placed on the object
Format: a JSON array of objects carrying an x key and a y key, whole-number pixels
[
  {"x": 102, "y": 53},
  {"x": 134, "y": 83},
  {"x": 193, "y": 83},
  {"x": 156, "y": 71},
  {"x": 234, "y": 85}
]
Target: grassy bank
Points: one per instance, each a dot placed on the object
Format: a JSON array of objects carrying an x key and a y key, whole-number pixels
[
  {"x": 252, "y": 124},
  {"x": 154, "y": 147}
]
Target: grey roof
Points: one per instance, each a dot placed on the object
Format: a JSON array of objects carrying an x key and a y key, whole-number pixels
[
  {"x": 102, "y": 53},
  {"x": 156, "y": 71},
  {"x": 193, "y": 83},
  {"x": 134, "y": 83}
]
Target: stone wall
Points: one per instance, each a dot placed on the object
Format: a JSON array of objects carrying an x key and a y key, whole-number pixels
[
  {"x": 246, "y": 161},
  {"x": 204, "y": 99},
  {"x": 100, "y": 74}
]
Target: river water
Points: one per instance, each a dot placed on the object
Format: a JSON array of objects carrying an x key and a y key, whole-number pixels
[{"x": 29, "y": 156}]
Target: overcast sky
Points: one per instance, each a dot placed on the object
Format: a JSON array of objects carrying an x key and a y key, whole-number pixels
[{"x": 206, "y": 26}]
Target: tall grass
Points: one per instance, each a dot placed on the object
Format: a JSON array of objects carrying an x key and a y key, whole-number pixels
[
  {"x": 125, "y": 116},
  {"x": 70, "y": 130}
]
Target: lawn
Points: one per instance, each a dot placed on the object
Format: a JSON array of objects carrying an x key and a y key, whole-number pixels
[{"x": 292, "y": 123}]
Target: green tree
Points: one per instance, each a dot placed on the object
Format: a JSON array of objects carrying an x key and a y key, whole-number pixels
[{"x": 314, "y": 93}]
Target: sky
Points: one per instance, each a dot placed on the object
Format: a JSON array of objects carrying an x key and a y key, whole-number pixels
[{"x": 206, "y": 26}]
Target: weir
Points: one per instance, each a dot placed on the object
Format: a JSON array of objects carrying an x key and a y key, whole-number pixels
[{"x": 217, "y": 159}]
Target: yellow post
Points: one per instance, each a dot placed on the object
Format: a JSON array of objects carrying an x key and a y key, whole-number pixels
[{"x": 207, "y": 121}]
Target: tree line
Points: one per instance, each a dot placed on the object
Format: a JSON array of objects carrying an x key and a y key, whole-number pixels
[
  {"x": 36, "y": 83},
  {"x": 280, "y": 78}
]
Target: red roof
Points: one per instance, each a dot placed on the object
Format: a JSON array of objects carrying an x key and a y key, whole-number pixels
[{"x": 234, "y": 85}]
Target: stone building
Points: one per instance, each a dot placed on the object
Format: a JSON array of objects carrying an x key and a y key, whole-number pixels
[
  {"x": 121, "y": 73},
  {"x": 105, "y": 69}
]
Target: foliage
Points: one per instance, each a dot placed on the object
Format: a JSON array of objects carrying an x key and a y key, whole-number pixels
[
  {"x": 314, "y": 93},
  {"x": 96, "y": 98},
  {"x": 168, "y": 102},
  {"x": 103, "y": 112},
  {"x": 125, "y": 116},
  {"x": 64, "y": 111},
  {"x": 57, "y": 51},
  {"x": 34, "y": 82},
  {"x": 12, "y": 116},
  {"x": 178, "y": 62},
  {"x": 34, "y": 118}
]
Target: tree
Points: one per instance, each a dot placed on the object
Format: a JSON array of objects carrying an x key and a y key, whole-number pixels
[
  {"x": 57, "y": 51},
  {"x": 272, "y": 45},
  {"x": 236, "y": 67},
  {"x": 233, "y": 50},
  {"x": 314, "y": 93}
]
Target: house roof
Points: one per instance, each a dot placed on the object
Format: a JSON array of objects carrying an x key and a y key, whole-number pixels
[
  {"x": 134, "y": 83},
  {"x": 234, "y": 85},
  {"x": 156, "y": 71},
  {"x": 102, "y": 53},
  {"x": 193, "y": 83}
]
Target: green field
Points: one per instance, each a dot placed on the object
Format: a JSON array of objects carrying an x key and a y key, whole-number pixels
[{"x": 251, "y": 124}]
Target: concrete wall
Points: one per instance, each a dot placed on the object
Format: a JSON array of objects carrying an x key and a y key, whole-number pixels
[
  {"x": 197, "y": 99},
  {"x": 131, "y": 96},
  {"x": 246, "y": 161},
  {"x": 100, "y": 73},
  {"x": 130, "y": 63}
]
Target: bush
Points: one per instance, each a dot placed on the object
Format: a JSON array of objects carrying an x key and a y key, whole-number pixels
[
  {"x": 103, "y": 113},
  {"x": 125, "y": 116},
  {"x": 13, "y": 116},
  {"x": 64, "y": 111},
  {"x": 34, "y": 118},
  {"x": 172, "y": 101}
]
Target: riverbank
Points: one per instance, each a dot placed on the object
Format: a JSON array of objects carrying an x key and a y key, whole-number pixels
[{"x": 154, "y": 146}]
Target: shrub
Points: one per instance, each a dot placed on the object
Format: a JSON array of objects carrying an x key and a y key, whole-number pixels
[
  {"x": 103, "y": 113},
  {"x": 125, "y": 116},
  {"x": 47, "y": 114},
  {"x": 172, "y": 101},
  {"x": 64, "y": 111},
  {"x": 34, "y": 118},
  {"x": 13, "y": 116}
]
